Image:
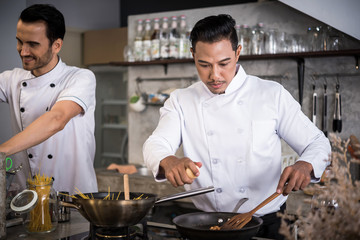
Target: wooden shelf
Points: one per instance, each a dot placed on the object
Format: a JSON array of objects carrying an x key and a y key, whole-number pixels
[
  {"x": 349, "y": 52},
  {"x": 299, "y": 57}
]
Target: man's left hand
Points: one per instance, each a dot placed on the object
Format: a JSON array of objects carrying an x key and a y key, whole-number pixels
[{"x": 296, "y": 177}]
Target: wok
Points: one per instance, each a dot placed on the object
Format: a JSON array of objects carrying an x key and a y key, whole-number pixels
[
  {"x": 119, "y": 212},
  {"x": 196, "y": 226}
]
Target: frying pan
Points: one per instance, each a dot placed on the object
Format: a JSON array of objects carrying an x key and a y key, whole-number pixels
[
  {"x": 196, "y": 226},
  {"x": 119, "y": 212}
]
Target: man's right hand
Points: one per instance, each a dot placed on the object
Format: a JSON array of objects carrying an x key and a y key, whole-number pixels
[{"x": 174, "y": 169}]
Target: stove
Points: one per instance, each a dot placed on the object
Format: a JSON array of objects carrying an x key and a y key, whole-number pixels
[
  {"x": 157, "y": 225},
  {"x": 137, "y": 232}
]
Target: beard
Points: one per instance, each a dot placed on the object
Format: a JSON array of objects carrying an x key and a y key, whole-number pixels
[{"x": 38, "y": 62}]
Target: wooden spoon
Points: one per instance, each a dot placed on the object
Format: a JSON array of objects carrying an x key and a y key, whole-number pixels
[
  {"x": 126, "y": 187},
  {"x": 240, "y": 220}
]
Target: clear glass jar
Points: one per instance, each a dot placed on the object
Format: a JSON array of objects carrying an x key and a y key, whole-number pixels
[{"x": 44, "y": 215}]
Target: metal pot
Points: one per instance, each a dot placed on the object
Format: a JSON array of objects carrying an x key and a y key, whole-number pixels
[
  {"x": 196, "y": 226},
  {"x": 118, "y": 212}
]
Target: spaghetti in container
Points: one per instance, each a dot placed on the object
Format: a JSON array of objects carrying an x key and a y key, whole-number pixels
[{"x": 44, "y": 216}]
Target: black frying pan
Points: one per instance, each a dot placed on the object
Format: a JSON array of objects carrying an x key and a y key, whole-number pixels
[
  {"x": 118, "y": 212},
  {"x": 196, "y": 226}
]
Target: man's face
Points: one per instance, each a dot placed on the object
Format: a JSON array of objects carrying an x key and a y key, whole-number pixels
[
  {"x": 216, "y": 64},
  {"x": 34, "y": 47}
]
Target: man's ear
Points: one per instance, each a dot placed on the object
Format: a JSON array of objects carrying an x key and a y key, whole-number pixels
[
  {"x": 192, "y": 52},
  {"x": 237, "y": 52},
  {"x": 57, "y": 45}
]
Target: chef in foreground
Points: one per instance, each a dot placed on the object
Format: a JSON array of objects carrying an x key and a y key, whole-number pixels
[
  {"x": 230, "y": 125},
  {"x": 51, "y": 106}
]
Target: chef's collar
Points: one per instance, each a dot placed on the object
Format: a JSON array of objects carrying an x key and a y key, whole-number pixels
[
  {"x": 51, "y": 77},
  {"x": 235, "y": 83}
]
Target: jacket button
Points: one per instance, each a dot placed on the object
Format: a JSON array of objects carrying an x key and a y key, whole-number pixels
[
  {"x": 219, "y": 190},
  {"x": 22, "y": 109},
  {"x": 52, "y": 85},
  {"x": 30, "y": 155},
  {"x": 50, "y": 156},
  {"x": 24, "y": 84}
]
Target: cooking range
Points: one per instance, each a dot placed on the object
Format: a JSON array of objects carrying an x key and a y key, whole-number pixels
[{"x": 157, "y": 225}]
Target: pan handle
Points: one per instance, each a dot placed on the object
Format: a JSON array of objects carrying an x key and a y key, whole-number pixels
[
  {"x": 68, "y": 204},
  {"x": 186, "y": 194}
]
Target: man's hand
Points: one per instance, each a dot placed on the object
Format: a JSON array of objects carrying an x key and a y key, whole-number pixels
[
  {"x": 296, "y": 177},
  {"x": 174, "y": 169}
]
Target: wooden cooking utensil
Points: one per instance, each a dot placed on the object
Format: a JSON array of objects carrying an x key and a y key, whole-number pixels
[
  {"x": 240, "y": 220},
  {"x": 126, "y": 187}
]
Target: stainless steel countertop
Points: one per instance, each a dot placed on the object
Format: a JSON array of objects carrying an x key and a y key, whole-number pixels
[{"x": 77, "y": 224}]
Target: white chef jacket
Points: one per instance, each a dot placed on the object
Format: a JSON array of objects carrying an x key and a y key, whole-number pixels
[
  {"x": 68, "y": 155},
  {"x": 237, "y": 137}
]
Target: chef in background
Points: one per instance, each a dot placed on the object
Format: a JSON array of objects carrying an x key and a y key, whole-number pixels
[
  {"x": 51, "y": 106},
  {"x": 230, "y": 125}
]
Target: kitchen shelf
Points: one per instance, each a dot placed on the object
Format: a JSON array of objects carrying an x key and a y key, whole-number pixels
[
  {"x": 298, "y": 57},
  {"x": 111, "y": 155},
  {"x": 114, "y": 102},
  {"x": 348, "y": 52},
  {"x": 114, "y": 126}
]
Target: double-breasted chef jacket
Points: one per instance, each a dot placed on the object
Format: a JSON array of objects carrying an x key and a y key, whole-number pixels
[
  {"x": 68, "y": 155},
  {"x": 237, "y": 137}
]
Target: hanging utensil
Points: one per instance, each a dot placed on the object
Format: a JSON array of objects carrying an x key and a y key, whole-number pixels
[
  {"x": 337, "y": 122},
  {"x": 324, "y": 117},
  {"x": 314, "y": 105}
]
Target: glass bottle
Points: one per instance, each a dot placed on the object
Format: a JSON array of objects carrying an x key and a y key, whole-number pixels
[
  {"x": 164, "y": 39},
  {"x": 146, "y": 44},
  {"x": 188, "y": 32},
  {"x": 138, "y": 52},
  {"x": 44, "y": 216},
  {"x": 184, "y": 45},
  {"x": 155, "y": 40},
  {"x": 271, "y": 41},
  {"x": 174, "y": 38},
  {"x": 245, "y": 39},
  {"x": 258, "y": 39}
]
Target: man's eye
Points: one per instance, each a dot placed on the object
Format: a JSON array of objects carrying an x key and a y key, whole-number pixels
[
  {"x": 204, "y": 66},
  {"x": 223, "y": 64}
]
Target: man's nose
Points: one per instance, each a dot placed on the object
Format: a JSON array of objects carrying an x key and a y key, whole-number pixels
[
  {"x": 24, "y": 51},
  {"x": 215, "y": 73}
]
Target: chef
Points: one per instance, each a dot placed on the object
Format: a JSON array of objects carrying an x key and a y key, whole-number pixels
[
  {"x": 230, "y": 125},
  {"x": 51, "y": 106}
]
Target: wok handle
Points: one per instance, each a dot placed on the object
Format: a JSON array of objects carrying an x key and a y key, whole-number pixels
[
  {"x": 186, "y": 194},
  {"x": 68, "y": 204}
]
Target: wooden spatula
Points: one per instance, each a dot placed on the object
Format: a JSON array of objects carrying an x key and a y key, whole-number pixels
[
  {"x": 240, "y": 220},
  {"x": 126, "y": 187}
]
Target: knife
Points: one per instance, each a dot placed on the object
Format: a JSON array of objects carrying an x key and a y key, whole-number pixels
[
  {"x": 314, "y": 105},
  {"x": 324, "y": 118},
  {"x": 337, "y": 122}
]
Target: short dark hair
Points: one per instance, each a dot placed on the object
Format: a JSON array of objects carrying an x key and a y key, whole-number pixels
[
  {"x": 213, "y": 29},
  {"x": 55, "y": 22}
]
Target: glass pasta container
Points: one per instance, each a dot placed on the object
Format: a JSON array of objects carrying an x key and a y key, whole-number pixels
[
  {"x": 44, "y": 216},
  {"x": 39, "y": 204}
]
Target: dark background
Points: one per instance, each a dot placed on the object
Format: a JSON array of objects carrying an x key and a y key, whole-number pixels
[{"x": 134, "y": 7}]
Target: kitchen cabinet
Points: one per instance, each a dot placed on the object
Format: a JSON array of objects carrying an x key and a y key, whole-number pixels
[
  {"x": 299, "y": 57},
  {"x": 110, "y": 115}
]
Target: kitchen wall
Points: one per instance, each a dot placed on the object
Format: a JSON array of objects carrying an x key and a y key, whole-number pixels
[
  {"x": 80, "y": 16},
  {"x": 273, "y": 14},
  {"x": 9, "y": 57}
]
